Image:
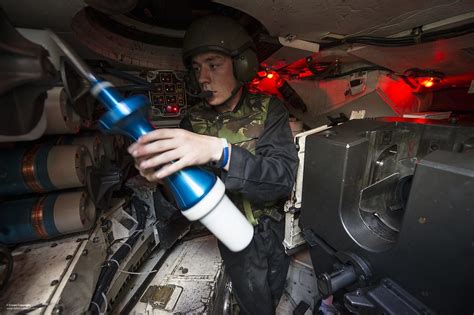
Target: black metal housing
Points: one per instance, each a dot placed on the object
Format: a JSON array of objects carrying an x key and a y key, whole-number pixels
[{"x": 421, "y": 236}]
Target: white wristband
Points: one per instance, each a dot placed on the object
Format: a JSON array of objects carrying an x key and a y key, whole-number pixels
[{"x": 225, "y": 155}]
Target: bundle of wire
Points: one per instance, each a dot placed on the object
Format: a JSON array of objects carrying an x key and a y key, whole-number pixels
[
  {"x": 421, "y": 37},
  {"x": 112, "y": 265}
]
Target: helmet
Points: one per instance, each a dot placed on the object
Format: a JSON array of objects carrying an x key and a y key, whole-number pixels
[{"x": 222, "y": 34}]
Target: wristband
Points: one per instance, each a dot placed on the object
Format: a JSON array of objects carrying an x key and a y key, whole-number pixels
[
  {"x": 225, "y": 153},
  {"x": 224, "y": 156}
]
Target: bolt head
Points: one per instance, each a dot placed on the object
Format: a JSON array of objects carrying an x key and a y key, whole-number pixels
[{"x": 73, "y": 276}]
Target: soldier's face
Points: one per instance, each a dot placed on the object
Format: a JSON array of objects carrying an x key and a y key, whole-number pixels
[{"x": 214, "y": 73}]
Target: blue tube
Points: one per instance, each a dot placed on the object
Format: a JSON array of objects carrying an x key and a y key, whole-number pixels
[{"x": 127, "y": 117}]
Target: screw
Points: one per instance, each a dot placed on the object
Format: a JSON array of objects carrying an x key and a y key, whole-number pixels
[
  {"x": 95, "y": 239},
  {"x": 422, "y": 220},
  {"x": 73, "y": 276},
  {"x": 85, "y": 252},
  {"x": 58, "y": 309}
]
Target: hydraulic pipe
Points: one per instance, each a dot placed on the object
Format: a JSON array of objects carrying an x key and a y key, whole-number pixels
[{"x": 199, "y": 194}]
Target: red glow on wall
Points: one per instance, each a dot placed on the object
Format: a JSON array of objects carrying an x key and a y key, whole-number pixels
[
  {"x": 398, "y": 94},
  {"x": 439, "y": 56}
]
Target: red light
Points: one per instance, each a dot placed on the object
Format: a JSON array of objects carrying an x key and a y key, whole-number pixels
[
  {"x": 172, "y": 109},
  {"x": 428, "y": 82},
  {"x": 267, "y": 82}
]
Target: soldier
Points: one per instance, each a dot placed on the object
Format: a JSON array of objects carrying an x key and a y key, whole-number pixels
[{"x": 259, "y": 170}]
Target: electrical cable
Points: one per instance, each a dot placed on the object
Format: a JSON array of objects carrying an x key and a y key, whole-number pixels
[
  {"x": 423, "y": 37},
  {"x": 122, "y": 240},
  {"x": 129, "y": 77},
  {"x": 133, "y": 88},
  {"x": 361, "y": 69},
  {"x": 106, "y": 303},
  {"x": 342, "y": 74},
  {"x": 137, "y": 273},
  {"x": 109, "y": 270}
]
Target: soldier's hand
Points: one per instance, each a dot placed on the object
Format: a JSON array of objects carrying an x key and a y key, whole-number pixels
[
  {"x": 155, "y": 151},
  {"x": 147, "y": 173}
]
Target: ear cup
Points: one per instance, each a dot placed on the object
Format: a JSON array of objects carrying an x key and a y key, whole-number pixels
[{"x": 245, "y": 65}]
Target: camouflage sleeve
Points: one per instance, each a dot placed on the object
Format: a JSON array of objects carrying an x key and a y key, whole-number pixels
[
  {"x": 269, "y": 174},
  {"x": 185, "y": 123}
]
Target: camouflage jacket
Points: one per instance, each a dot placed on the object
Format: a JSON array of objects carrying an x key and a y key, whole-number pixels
[{"x": 247, "y": 129}]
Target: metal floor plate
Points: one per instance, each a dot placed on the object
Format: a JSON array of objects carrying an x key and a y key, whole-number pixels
[
  {"x": 38, "y": 271},
  {"x": 186, "y": 281}
]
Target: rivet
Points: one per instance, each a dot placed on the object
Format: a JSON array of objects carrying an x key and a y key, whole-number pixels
[{"x": 58, "y": 309}]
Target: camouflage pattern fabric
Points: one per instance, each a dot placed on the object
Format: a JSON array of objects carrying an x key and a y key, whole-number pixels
[{"x": 242, "y": 127}]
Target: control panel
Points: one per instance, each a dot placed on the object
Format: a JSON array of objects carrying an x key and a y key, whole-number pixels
[{"x": 168, "y": 94}]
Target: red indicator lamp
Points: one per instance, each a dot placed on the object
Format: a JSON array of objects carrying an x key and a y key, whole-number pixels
[
  {"x": 424, "y": 78},
  {"x": 266, "y": 82},
  {"x": 428, "y": 82},
  {"x": 172, "y": 109}
]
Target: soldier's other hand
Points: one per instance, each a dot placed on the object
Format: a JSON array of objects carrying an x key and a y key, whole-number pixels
[{"x": 155, "y": 151}]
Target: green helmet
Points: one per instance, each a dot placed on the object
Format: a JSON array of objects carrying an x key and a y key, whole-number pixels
[{"x": 222, "y": 34}]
